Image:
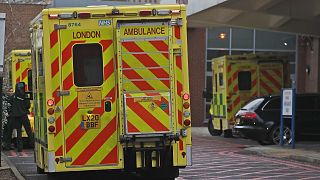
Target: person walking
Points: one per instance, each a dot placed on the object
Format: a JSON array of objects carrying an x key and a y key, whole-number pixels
[{"x": 19, "y": 116}]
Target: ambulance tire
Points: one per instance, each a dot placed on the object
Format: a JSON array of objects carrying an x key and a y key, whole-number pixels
[{"x": 213, "y": 131}]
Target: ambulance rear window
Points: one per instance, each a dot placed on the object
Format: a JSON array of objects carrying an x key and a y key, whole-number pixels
[
  {"x": 87, "y": 64},
  {"x": 244, "y": 80}
]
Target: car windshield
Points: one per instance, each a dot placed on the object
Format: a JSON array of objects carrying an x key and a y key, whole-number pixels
[{"x": 252, "y": 105}]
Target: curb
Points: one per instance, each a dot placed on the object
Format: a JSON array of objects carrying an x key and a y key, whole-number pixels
[
  {"x": 12, "y": 167},
  {"x": 280, "y": 155}
]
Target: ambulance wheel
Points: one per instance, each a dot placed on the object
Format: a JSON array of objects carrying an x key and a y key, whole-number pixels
[{"x": 213, "y": 131}]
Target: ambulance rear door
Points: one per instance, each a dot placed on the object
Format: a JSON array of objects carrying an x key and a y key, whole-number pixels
[
  {"x": 88, "y": 92},
  {"x": 147, "y": 76},
  {"x": 242, "y": 84}
]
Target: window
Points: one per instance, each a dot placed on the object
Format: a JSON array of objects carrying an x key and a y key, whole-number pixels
[
  {"x": 244, "y": 80},
  {"x": 275, "y": 40},
  {"x": 209, "y": 86},
  {"x": 87, "y": 64},
  {"x": 273, "y": 104},
  {"x": 220, "y": 79},
  {"x": 29, "y": 80},
  {"x": 242, "y": 38},
  {"x": 253, "y": 105},
  {"x": 216, "y": 53},
  {"x": 40, "y": 64},
  {"x": 218, "y": 37},
  {"x": 216, "y": 82}
]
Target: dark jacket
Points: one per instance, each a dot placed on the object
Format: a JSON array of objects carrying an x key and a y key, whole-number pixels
[{"x": 19, "y": 106}]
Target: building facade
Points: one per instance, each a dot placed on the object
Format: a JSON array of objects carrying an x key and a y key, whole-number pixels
[{"x": 18, "y": 17}]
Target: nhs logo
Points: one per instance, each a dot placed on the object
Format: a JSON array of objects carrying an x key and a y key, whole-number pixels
[{"x": 104, "y": 22}]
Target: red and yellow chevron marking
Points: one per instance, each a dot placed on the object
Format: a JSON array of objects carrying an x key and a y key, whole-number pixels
[
  {"x": 21, "y": 71},
  {"x": 102, "y": 147},
  {"x": 233, "y": 91},
  {"x": 178, "y": 67},
  {"x": 237, "y": 98},
  {"x": 271, "y": 81},
  {"x": 178, "y": 84},
  {"x": 144, "y": 68},
  {"x": 55, "y": 87},
  {"x": 145, "y": 113}
]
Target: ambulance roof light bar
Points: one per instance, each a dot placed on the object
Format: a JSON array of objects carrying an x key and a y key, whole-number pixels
[
  {"x": 164, "y": 12},
  {"x": 84, "y": 15},
  {"x": 53, "y": 16},
  {"x": 175, "y": 12},
  {"x": 66, "y": 15}
]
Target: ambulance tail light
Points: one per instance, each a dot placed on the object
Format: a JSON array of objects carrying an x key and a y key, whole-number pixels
[
  {"x": 51, "y": 129},
  {"x": 53, "y": 16},
  {"x": 84, "y": 15},
  {"x": 186, "y": 105},
  {"x": 50, "y": 111},
  {"x": 187, "y": 122},
  {"x": 145, "y": 13},
  {"x": 186, "y": 96},
  {"x": 50, "y": 102}
]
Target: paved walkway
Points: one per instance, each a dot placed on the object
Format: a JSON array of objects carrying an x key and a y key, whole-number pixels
[
  {"x": 8, "y": 171},
  {"x": 305, "y": 151}
]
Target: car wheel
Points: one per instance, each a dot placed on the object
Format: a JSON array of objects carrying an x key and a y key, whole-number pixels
[
  {"x": 275, "y": 135},
  {"x": 213, "y": 131}
]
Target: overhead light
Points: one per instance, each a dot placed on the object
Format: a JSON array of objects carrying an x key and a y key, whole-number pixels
[{"x": 222, "y": 35}]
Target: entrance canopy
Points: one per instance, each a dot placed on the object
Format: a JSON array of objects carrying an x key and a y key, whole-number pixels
[{"x": 295, "y": 16}]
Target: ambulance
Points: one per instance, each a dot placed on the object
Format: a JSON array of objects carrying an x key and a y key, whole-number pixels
[
  {"x": 111, "y": 89},
  {"x": 17, "y": 68},
  {"x": 239, "y": 78}
]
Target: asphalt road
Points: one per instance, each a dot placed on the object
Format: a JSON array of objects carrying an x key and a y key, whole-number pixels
[{"x": 213, "y": 158}]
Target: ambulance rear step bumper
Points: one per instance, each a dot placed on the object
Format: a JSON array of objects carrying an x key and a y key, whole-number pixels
[{"x": 149, "y": 137}]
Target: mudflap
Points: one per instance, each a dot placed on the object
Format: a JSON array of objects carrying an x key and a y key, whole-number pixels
[{"x": 164, "y": 156}]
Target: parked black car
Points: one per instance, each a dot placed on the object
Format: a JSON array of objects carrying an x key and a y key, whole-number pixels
[{"x": 259, "y": 119}]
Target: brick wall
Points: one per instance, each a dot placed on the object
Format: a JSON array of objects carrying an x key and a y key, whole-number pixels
[
  {"x": 196, "y": 51},
  {"x": 18, "y": 17}
]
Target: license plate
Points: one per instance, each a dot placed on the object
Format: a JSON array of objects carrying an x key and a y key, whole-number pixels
[{"x": 90, "y": 121}]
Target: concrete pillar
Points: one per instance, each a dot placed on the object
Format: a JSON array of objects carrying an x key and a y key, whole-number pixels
[
  {"x": 307, "y": 68},
  {"x": 196, "y": 53}
]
